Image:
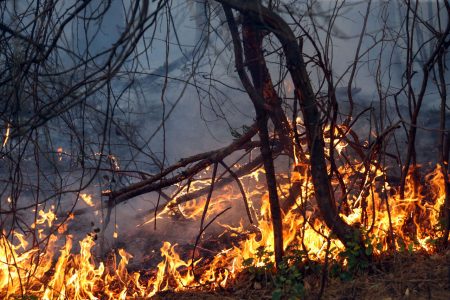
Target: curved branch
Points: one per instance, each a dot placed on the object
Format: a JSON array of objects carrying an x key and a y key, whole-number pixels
[{"x": 304, "y": 92}]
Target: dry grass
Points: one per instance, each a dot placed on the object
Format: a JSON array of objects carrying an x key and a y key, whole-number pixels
[{"x": 402, "y": 276}]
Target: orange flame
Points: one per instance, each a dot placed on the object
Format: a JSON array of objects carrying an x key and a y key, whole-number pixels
[{"x": 67, "y": 275}]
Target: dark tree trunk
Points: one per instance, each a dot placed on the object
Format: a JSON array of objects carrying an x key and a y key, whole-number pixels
[
  {"x": 270, "y": 21},
  {"x": 252, "y": 40}
]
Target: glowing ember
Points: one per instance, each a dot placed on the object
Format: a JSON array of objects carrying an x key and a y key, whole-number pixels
[
  {"x": 60, "y": 152},
  {"x": 87, "y": 199},
  {"x": 8, "y": 128},
  {"x": 116, "y": 234}
]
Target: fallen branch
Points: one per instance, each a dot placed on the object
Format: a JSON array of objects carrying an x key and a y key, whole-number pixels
[{"x": 159, "y": 181}]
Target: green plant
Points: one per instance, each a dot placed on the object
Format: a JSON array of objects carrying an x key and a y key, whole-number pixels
[
  {"x": 355, "y": 256},
  {"x": 261, "y": 263},
  {"x": 288, "y": 282}
]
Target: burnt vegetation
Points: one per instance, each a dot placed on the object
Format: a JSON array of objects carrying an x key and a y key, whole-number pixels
[{"x": 287, "y": 147}]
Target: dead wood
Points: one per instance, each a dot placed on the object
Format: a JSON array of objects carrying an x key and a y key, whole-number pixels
[{"x": 160, "y": 180}]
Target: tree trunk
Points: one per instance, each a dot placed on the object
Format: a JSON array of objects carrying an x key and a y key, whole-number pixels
[
  {"x": 252, "y": 39},
  {"x": 267, "y": 19}
]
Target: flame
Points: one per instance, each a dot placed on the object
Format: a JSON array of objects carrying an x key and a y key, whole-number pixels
[
  {"x": 43, "y": 217},
  {"x": 68, "y": 274},
  {"x": 116, "y": 233},
  {"x": 87, "y": 199},
  {"x": 59, "y": 152},
  {"x": 8, "y": 129}
]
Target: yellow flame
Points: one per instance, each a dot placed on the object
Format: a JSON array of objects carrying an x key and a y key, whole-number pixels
[
  {"x": 8, "y": 128},
  {"x": 87, "y": 198},
  {"x": 116, "y": 233},
  {"x": 39, "y": 271}
]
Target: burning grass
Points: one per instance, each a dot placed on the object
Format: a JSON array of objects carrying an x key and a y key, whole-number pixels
[
  {"x": 409, "y": 226},
  {"x": 401, "y": 276}
]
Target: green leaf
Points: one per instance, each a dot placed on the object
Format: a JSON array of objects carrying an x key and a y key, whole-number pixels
[
  {"x": 379, "y": 246},
  {"x": 277, "y": 294}
]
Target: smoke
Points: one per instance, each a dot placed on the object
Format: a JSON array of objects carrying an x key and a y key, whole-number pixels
[{"x": 159, "y": 114}]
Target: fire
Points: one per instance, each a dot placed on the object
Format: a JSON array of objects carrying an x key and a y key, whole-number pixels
[
  {"x": 60, "y": 152},
  {"x": 87, "y": 199},
  {"x": 5, "y": 141},
  {"x": 116, "y": 233},
  {"x": 40, "y": 271}
]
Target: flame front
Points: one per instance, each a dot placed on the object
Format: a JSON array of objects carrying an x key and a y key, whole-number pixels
[{"x": 41, "y": 272}]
